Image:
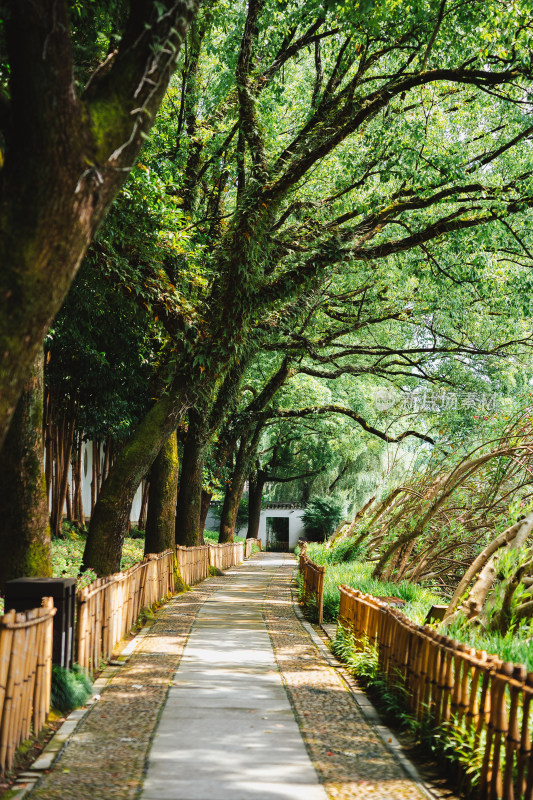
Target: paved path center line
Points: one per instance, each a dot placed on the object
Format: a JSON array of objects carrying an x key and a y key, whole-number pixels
[{"x": 227, "y": 731}]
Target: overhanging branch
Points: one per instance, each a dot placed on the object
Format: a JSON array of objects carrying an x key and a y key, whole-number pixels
[{"x": 348, "y": 412}]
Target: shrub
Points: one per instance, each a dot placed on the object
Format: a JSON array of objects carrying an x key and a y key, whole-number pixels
[
  {"x": 70, "y": 688},
  {"x": 321, "y": 517}
]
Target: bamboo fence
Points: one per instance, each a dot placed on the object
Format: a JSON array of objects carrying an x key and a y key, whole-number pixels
[
  {"x": 485, "y": 703},
  {"x": 248, "y": 546},
  {"x": 225, "y": 556},
  {"x": 25, "y": 675},
  {"x": 313, "y": 581},
  {"x": 193, "y": 563},
  {"x": 107, "y": 608}
]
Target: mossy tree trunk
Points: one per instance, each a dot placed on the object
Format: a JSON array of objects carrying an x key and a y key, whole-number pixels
[
  {"x": 256, "y": 483},
  {"x": 204, "y": 511},
  {"x": 230, "y": 509},
  {"x": 24, "y": 522},
  {"x": 162, "y": 498},
  {"x": 245, "y": 457},
  {"x": 190, "y": 485},
  {"x": 66, "y": 156},
  {"x": 110, "y": 518}
]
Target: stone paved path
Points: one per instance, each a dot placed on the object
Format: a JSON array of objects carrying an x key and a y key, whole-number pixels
[
  {"x": 253, "y": 711},
  {"x": 227, "y": 730}
]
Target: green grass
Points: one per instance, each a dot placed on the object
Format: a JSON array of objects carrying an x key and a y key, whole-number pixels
[
  {"x": 212, "y": 537},
  {"x": 357, "y": 574},
  {"x": 67, "y": 555},
  {"x": 515, "y": 645}
]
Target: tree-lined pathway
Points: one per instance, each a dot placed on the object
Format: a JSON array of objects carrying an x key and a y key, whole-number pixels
[{"x": 253, "y": 712}]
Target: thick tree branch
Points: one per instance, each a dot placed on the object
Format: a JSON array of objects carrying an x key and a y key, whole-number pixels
[
  {"x": 348, "y": 412},
  {"x": 247, "y": 106}
]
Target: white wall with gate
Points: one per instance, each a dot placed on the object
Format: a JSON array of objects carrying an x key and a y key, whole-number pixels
[{"x": 271, "y": 510}]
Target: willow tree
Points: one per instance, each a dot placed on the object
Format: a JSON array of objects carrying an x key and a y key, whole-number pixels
[
  {"x": 315, "y": 140},
  {"x": 66, "y": 152}
]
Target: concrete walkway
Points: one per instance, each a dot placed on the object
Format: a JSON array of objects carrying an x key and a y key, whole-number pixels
[
  {"x": 227, "y": 731},
  {"x": 202, "y": 709}
]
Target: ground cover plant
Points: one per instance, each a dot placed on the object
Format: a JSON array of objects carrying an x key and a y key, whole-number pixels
[
  {"x": 67, "y": 555},
  {"x": 448, "y": 742},
  {"x": 346, "y": 567}
]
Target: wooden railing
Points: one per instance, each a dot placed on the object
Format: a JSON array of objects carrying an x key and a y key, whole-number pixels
[
  {"x": 106, "y": 611},
  {"x": 25, "y": 675},
  {"x": 225, "y": 556},
  {"x": 249, "y": 545},
  {"x": 193, "y": 563},
  {"x": 484, "y": 703},
  {"x": 107, "y": 608},
  {"x": 313, "y": 581}
]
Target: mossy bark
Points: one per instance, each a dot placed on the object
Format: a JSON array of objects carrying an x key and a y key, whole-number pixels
[
  {"x": 109, "y": 521},
  {"x": 230, "y": 509},
  {"x": 24, "y": 523},
  {"x": 204, "y": 510},
  {"x": 162, "y": 496},
  {"x": 255, "y": 496},
  {"x": 243, "y": 462},
  {"x": 190, "y": 484},
  {"x": 66, "y": 156}
]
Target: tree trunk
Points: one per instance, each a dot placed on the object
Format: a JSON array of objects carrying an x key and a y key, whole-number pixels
[
  {"x": 66, "y": 158},
  {"x": 234, "y": 488},
  {"x": 255, "y": 496},
  {"x": 77, "y": 467},
  {"x": 204, "y": 510},
  {"x": 64, "y": 440},
  {"x": 24, "y": 524},
  {"x": 230, "y": 509},
  {"x": 190, "y": 486},
  {"x": 145, "y": 490},
  {"x": 162, "y": 496},
  {"x": 485, "y": 567},
  {"x": 109, "y": 521}
]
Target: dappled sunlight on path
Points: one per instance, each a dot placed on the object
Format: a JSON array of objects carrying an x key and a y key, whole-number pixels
[
  {"x": 348, "y": 755},
  {"x": 252, "y": 710}
]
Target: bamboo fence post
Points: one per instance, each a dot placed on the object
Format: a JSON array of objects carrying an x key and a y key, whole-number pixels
[
  {"x": 26, "y": 687},
  {"x": 512, "y": 740},
  {"x": 9, "y": 720},
  {"x": 524, "y": 753}
]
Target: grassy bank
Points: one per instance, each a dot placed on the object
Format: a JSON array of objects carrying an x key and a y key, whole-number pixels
[
  {"x": 344, "y": 567},
  {"x": 67, "y": 555}
]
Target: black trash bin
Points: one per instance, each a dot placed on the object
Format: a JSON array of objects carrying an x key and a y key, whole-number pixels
[{"x": 25, "y": 593}]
